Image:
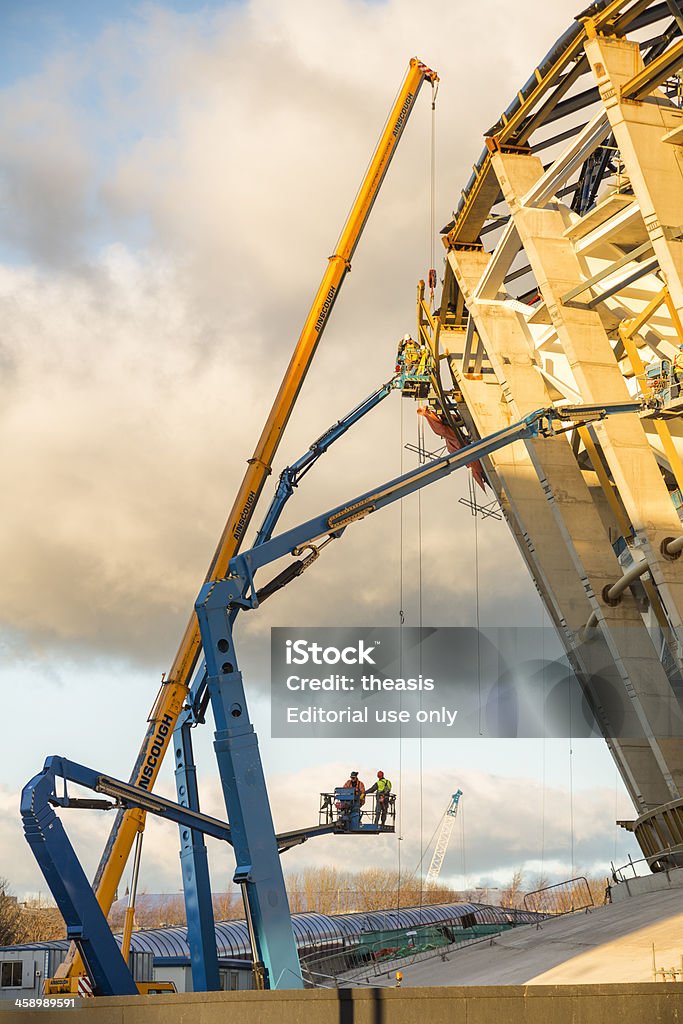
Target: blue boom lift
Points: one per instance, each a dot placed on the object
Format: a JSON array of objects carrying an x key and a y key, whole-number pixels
[{"x": 250, "y": 831}]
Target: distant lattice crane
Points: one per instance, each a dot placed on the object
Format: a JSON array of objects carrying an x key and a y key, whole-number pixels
[{"x": 444, "y": 838}]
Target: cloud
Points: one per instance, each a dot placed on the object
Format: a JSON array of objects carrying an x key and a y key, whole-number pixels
[{"x": 139, "y": 363}]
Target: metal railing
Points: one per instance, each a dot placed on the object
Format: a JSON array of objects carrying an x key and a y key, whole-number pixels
[
  {"x": 620, "y": 875},
  {"x": 566, "y": 897}
]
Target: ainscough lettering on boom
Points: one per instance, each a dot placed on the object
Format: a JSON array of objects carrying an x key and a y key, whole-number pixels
[
  {"x": 244, "y": 516},
  {"x": 326, "y": 307},
  {"x": 403, "y": 114},
  {"x": 155, "y": 751}
]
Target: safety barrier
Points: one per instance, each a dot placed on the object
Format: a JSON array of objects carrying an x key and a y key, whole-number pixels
[{"x": 563, "y": 898}]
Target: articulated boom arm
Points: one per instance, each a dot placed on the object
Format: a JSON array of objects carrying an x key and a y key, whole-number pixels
[
  {"x": 290, "y": 477},
  {"x": 331, "y": 525},
  {"x": 85, "y": 922}
]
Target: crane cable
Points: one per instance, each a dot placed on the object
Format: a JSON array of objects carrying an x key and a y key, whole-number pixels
[
  {"x": 423, "y": 458},
  {"x": 432, "y": 278},
  {"x": 543, "y": 748},
  {"x": 419, "y": 648},
  {"x": 401, "y": 621}
]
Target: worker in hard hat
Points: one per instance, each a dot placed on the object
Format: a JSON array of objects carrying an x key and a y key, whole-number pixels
[
  {"x": 408, "y": 355},
  {"x": 383, "y": 789},
  {"x": 678, "y": 366},
  {"x": 354, "y": 783}
]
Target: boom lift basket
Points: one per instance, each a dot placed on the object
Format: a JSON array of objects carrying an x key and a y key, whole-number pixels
[{"x": 344, "y": 809}]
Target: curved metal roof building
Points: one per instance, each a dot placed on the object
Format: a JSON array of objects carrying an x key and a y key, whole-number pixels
[{"x": 315, "y": 932}]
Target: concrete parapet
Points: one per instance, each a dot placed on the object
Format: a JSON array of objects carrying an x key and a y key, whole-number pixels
[
  {"x": 641, "y": 884},
  {"x": 513, "y": 1004}
]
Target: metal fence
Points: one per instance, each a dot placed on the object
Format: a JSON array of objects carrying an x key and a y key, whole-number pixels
[{"x": 562, "y": 898}]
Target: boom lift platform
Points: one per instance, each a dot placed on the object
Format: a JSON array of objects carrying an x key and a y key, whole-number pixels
[
  {"x": 250, "y": 831},
  {"x": 344, "y": 808}
]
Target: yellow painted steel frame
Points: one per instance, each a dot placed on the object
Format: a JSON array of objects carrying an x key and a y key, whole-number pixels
[
  {"x": 175, "y": 687},
  {"x": 627, "y": 329},
  {"x": 517, "y": 128}
]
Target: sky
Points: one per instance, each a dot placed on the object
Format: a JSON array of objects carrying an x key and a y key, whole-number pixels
[{"x": 173, "y": 177}]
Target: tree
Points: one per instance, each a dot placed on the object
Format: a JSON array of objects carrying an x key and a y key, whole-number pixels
[
  {"x": 513, "y": 894},
  {"x": 39, "y": 923},
  {"x": 10, "y": 915}
]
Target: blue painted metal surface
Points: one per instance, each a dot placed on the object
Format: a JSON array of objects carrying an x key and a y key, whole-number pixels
[
  {"x": 85, "y": 923},
  {"x": 196, "y": 880},
  {"x": 333, "y": 523},
  {"x": 194, "y": 863},
  {"x": 244, "y": 789},
  {"x": 291, "y": 476}
]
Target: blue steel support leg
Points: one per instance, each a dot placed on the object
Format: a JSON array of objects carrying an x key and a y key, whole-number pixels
[
  {"x": 245, "y": 793},
  {"x": 201, "y": 928},
  {"x": 85, "y": 923}
]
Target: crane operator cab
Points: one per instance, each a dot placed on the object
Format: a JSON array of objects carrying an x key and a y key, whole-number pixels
[
  {"x": 348, "y": 809},
  {"x": 413, "y": 368}
]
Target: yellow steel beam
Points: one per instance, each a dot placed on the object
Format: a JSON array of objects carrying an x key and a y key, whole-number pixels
[
  {"x": 654, "y": 73},
  {"x": 638, "y": 366},
  {"x": 604, "y": 480},
  {"x": 514, "y": 131},
  {"x": 673, "y": 313}
]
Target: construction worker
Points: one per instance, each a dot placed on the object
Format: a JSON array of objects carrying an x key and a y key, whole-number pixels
[
  {"x": 678, "y": 366},
  {"x": 408, "y": 355},
  {"x": 359, "y": 787},
  {"x": 383, "y": 789}
]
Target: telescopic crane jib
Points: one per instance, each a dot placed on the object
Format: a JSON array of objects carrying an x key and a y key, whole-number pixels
[{"x": 175, "y": 686}]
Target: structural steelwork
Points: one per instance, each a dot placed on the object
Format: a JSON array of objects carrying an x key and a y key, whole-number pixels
[{"x": 564, "y": 282}]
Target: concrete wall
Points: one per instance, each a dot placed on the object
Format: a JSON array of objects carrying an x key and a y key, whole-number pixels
[
  {"x": 656, "y": 882},
  {"x": 561, "y": 1004}
]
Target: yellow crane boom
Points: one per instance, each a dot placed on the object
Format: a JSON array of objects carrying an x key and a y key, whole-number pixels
[{"x": 175, "y": 685}]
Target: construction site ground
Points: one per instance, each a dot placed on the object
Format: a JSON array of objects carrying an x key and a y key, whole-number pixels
[{"x": 609, "y": 944}]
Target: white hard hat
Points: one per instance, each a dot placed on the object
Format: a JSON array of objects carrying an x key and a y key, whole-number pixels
[{"x": 406, "y": 337}]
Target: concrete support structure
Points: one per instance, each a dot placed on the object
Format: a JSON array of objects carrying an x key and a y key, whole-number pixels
[
  {"x": 593, "y": 365},
  {"x": 565, "y": 275},
  {"x": 572, "y": 526},
  {"x": 649, "y": 134}
]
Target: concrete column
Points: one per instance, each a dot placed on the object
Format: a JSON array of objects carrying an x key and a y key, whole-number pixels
[
  {"x": 569, "y": 552},
  {"x": 654, "y": 167},
  {"x": 597, "y": 375}
]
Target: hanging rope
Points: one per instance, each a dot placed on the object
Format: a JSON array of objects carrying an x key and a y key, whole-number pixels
[
  {"x": 571, "y": 785},
  {"x": 542, "y": 881},
  {"x": 401, "y": 621},
  {"x": 461, "y": 809},
  {"x": 432, "y": 278},
  {"x": 473, "y": 499},
  {"x": 420, "y": 420}
]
